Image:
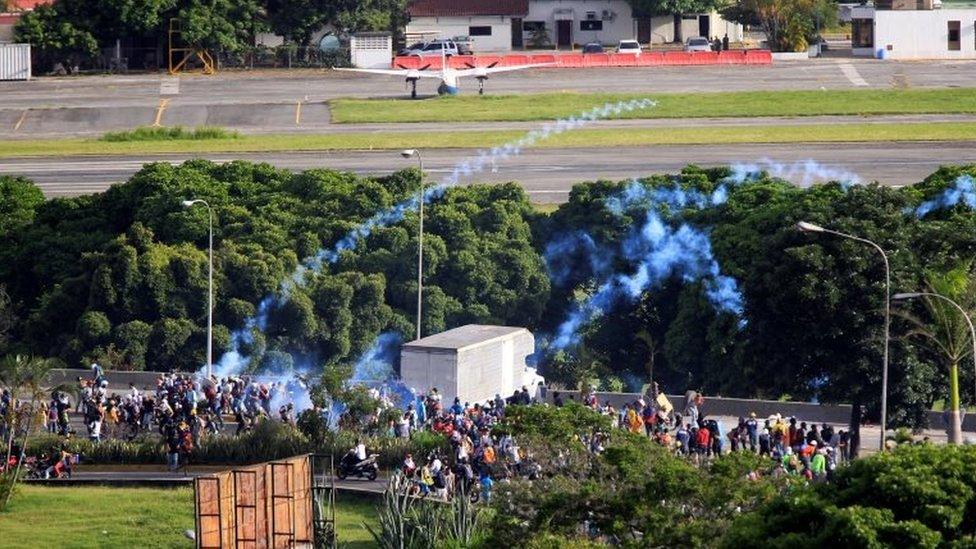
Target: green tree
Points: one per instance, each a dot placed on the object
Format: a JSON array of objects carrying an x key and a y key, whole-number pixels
[
  {"x": 8, "y": 319},
  {"x": 916, "y": 496},
  {"x": 219, "y": 25},
  {"x": 947, "y": 334},
  {"x": 56, "y": 39},
  {"x": 298, "y": 20},
  {"x": 19, "y": 199},
  {"x": 25, "y": 377},
  {"x": 789, "y": 25}
]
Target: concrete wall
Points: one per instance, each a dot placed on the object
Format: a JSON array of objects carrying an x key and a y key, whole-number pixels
[
  {"x": 423, "y": 369},
  {"x": 736, "y": 407},
  {"x": 6, "y": 32},
  {"x": 919, "y": 34},
  {"x": 475, "y": 373},
  {"x": 619, "y": 25},
  {"x": 494, "y": 368},
  {"x": 501, "y": 30}
]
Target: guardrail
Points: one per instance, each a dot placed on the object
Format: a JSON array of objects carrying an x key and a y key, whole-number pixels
[{"x": 584, "y": 60}]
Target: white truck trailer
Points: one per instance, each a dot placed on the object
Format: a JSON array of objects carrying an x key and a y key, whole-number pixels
[{"x": 474, "y": 362}]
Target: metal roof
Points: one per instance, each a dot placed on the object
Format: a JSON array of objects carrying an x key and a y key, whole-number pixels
[
  {"x": 470, "y": 335},
  {"x": 466, "y": 8}
]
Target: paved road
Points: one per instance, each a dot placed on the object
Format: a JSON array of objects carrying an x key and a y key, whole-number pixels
[
  {"x": 268, "y": 100},
  {"x": 180, "y": 477},
  {"x": 546, "y": 174},
  {"x": 317, "y": 85}
]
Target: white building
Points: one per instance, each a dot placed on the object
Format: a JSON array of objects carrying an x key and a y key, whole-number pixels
[
  {"x": 473, "y": 362},
  {"x": 493, "y": 25},
  {"x": 894, "y": 32},
  {"x": 504, "y": 25},
  {"x": 577, "y": 22}
]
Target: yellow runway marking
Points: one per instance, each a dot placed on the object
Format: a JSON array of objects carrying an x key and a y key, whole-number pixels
[
  {"x": 298, "y": 113},
  {"x": 159, "y": 112},
  {"x": 20, "y": 120}
]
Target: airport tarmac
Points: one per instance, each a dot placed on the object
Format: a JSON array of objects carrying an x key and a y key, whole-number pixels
[
  {"x": 547, "y": 174},
  {"x": 280, "y": 101}
]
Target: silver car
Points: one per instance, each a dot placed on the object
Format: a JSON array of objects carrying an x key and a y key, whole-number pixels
[{"x": 698, "y": 43}]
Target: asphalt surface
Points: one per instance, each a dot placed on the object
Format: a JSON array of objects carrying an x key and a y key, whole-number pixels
[
  {"x": 280, "y": 101},
  {"x": 546, "y": 174},
  {"x": 185, "y": 477}
]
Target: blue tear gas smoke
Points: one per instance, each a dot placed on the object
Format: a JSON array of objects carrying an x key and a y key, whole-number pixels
[
  {"x": 803, "y": 173},
  {"x": 376, "y": 364},
  {"x": 234, "y": 361},
  {"x": 962, "y": 191},
  {"x": 661, "y": 252}
]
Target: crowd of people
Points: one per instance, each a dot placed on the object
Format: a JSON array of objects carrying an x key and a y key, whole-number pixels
[
  {"x": 812, "y": 451},
  {"x": 180, "y": 407},
  {"x": 183, "y": 407},
  {"x": 478, "y": 456}
]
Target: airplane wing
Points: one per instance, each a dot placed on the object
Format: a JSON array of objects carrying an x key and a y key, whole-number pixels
[
  {"x": 396, "y": 72},
  {"x": 491, "y": 70}
]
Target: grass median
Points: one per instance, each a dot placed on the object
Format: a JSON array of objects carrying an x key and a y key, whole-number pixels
[
  {"x": 584, "y": 138},
  {"x": 510, "y": 108},
  {"x": 97, "y": 516}
]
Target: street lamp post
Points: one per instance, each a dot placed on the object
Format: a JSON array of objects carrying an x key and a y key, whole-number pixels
[
  {"x": 811, "y": 228},
  {"x": 210, "y": 294},
  {"x": 955, "y": 419},
  {"x": 420, "y": 247}
]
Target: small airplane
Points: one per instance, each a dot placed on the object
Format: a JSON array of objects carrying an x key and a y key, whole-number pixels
[{"x": 448, "y": 76}]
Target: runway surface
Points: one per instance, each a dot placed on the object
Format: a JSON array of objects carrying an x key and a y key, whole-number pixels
[
  {"x": 294, "y": 101},
  {"x": 546, "y": 174}
]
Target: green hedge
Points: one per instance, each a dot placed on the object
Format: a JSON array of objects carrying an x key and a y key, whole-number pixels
[{"x": 267, "y": 441}]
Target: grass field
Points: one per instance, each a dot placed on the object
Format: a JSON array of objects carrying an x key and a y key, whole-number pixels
[
  {"x": 591, "y": 138},
  {"x": 473, "y": 108},
  {"x": 86, "y": 517}
]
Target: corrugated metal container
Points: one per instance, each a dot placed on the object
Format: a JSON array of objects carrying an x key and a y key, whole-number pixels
[
  {"x": 15, "y": 61},
  {"x": 472, "y": 362}
]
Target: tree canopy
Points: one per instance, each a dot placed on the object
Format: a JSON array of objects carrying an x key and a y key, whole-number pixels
[
  {"x": 121, "y": 277},
  {"x": 73, "y": 31}
]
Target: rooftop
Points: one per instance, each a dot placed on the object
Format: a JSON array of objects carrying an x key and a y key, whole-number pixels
[
  {"x": 467, "y": 8},
  {"x": 464, "y": 336},
  {"x": 24, "y": 5}
]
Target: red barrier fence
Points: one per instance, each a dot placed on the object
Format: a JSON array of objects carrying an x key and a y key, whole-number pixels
[{"x": 580, "y": 60}]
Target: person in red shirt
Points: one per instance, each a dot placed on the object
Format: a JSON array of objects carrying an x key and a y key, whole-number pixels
[{"x": 703, "y": 441}]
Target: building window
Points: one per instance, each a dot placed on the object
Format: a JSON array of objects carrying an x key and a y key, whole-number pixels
[
  {"x": 954, "y": 44},
  {"x": 591, "y": 25},
  {"x": 862, "y": 33},
  {"x": 479, "y": 31},
  {"x": 533, "y": 26}
]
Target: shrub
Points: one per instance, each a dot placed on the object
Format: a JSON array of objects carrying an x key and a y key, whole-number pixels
[{"x": 169, "y": 134}]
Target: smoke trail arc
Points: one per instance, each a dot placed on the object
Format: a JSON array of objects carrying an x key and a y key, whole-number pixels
[{"x": 235, "y": 360}]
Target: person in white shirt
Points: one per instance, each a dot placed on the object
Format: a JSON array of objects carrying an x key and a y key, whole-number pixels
[{"x": 360, "y": 450}]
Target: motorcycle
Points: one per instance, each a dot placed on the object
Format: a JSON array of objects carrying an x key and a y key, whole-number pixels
[{"x": 349, "y": 466}]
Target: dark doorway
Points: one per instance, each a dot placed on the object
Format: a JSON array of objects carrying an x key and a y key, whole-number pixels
[
  {"x": 644, "y": 30},
  {"x": 704, "y": 27},
  {"x": 517, "y": 33},
  {"x": 564, "y": 34}
]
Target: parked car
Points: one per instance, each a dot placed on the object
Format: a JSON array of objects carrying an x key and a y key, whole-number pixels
[
  {"x": 629, "y": 46},
  {"x": 435, "y": 48},
  {"x": 412, "y": 48},
  {"x": 464, "y": 44},
  {"x": 698, "y": 43},
  {"x": 593, "y": 47}
]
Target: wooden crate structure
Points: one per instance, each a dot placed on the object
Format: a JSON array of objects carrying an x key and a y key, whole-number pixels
[{"x": 268, "y": 505}]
